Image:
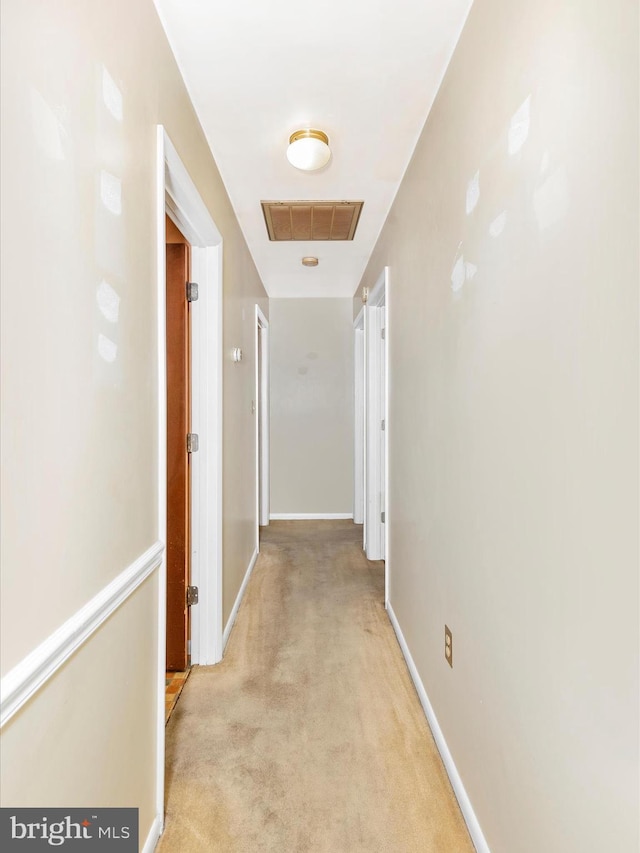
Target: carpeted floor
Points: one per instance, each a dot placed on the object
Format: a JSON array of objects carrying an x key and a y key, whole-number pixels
[{"x": 309, "y": 735}]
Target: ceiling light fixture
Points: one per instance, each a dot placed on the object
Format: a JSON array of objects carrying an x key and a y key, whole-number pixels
[
  {"x": 310, "y": 262},
  {"x": 308, "y": 150}
]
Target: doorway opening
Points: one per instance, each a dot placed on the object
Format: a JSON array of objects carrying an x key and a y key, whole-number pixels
[
  {"x": 262, "y": 421},
  {"x": 180, "y": 446},
  {"x": 178, "y": 201},
  {"x": 359, "y": 424},
  {"x": 371, "y": 437}
]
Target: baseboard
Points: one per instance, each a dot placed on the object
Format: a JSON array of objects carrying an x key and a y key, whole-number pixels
[
  {"x": 21, "y": 682},
  {"x": 302, "y": 516},
  {"x": 464, "y": 802},
  {"x": 236, "y": 606},
  {"x": 154, "y": 836}
]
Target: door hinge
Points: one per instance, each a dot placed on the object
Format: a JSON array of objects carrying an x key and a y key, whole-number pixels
[
  {"x": 193, "y": 442},
  {"x": 192, "y": 595},
  {"x": 382, "y": 517},
  {"x": 382, "y": 424},
  {"x": 192, "y": 291},
  {"x": 382, "y": 335}
]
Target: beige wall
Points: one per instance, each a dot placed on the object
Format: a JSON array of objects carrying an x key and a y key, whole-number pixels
[
  {"x": 311, "y": 374},
  {"x": 88, "y": 738},
  {"x": 84, "y": 86},
  {"x": 513, "y": 428},
  {"x": 243, "y": 291}
]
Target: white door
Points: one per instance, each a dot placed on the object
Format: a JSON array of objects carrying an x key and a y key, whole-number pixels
[
  {"x": 375, "y": 430},
  {"x": 359, "y": 419},
  {"x": 262, "y": 420}
]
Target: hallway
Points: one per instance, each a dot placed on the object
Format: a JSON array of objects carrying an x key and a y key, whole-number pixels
[
  {"x": 309, "y": 735},
  {"x": 431, "y": 329}
]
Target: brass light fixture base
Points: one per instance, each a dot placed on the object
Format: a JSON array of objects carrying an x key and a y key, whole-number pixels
[{"x": 309, "y": 134}]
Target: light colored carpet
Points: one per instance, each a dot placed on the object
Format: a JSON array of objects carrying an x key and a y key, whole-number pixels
[{"x": 309, "y": 735}]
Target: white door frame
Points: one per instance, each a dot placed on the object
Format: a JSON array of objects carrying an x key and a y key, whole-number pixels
[
  {"x": 178, "y": 197},
  {"x": 262, "y": 422},
  {"x": 359, "y": 422},
  {"x": 377, "y": 409}
]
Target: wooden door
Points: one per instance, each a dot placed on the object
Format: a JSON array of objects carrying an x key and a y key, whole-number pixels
[{"x": 178, "y": 464}]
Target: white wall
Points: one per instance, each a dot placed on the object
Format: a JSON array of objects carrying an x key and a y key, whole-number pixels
[
  {"x": 84, "y": 86},
  {"x": 513, "y": 425},
  {"x": 311, "y": 406}
]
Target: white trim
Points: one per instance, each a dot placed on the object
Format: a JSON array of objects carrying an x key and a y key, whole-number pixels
[
  {"x": 262, "y": 422},
  {"x": 387, "y": 433},
  {"x": 154, "y": 835},
  {"x": 301, "y": 516},
  {"x": 238, "y": 601},
  {"x": 21, "y": 682},
  {"x": 185, "y": 207},
  {"x": 377, "y": 295},
  {"x": 161, "y": 466},
  {"x": 459, "y": 790}
]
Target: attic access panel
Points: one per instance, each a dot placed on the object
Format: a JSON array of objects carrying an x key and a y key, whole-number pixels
[{"x": 311, "y": 220}]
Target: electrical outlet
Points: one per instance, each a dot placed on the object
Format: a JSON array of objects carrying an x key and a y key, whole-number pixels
[{"x": 448, "y": 645}]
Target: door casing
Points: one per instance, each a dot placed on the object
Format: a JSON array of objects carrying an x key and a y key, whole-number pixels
[
  {"x": 376, "y": 406},
  {"x": 358, "y": 422},
  {"x": 178, "y": 198},
  {"x": 262, "y": 421}
]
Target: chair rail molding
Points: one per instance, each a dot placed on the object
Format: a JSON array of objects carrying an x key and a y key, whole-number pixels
[{"x": 33, "y": 671}]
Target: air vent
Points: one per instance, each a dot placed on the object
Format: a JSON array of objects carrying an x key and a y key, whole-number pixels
[{"x": 311, "y": 220}]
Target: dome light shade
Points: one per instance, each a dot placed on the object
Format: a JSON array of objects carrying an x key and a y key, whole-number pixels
[{"x": 308, "y": 150}]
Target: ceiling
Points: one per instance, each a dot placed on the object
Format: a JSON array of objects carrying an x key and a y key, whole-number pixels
[{"x": 364, "y": 71}]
